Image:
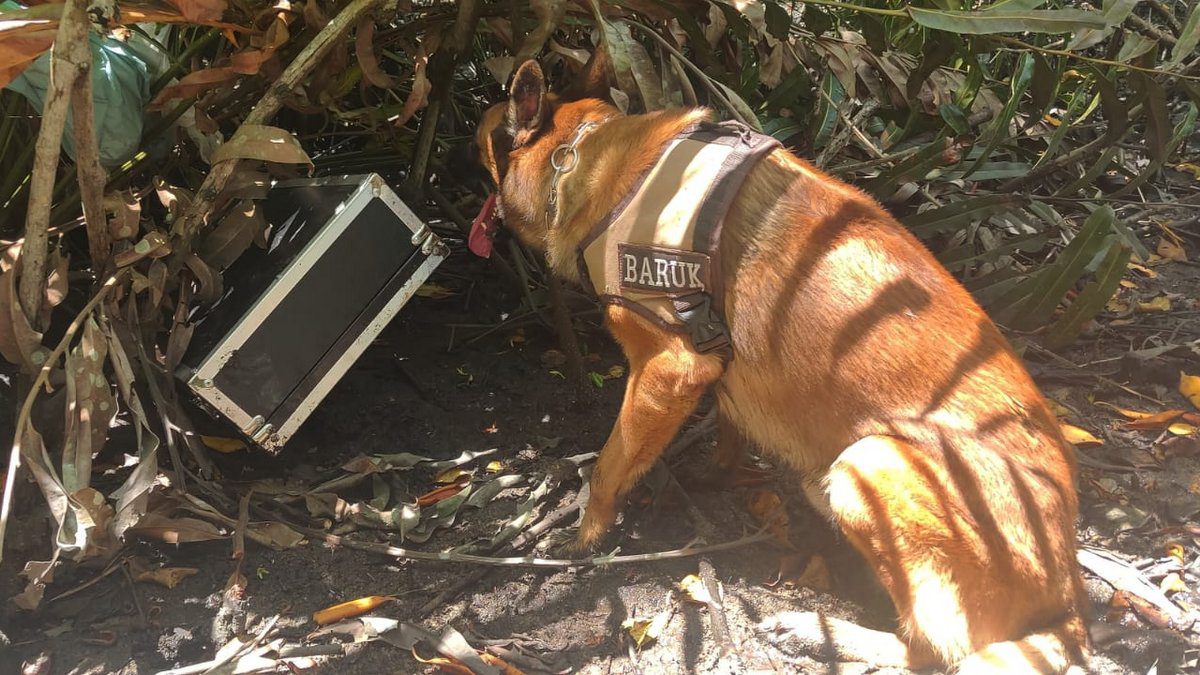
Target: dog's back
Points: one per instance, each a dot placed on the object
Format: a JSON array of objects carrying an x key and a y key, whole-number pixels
[{"x": 861, "y": 362}]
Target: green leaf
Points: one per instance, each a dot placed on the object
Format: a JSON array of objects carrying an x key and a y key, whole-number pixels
[
  {"x": 826, "y": 118},
  {"x": 1043, "y": 87},
  {"x": 1158, "y": 125},
  {"x": 1189, "y": 37},
  {"x": 993, "y": 171},
  {"x": 934, "y": 54},
  {"x": 1076, "y": 110},
  {"x": 1092, "y": 299},
  {"x": 1183, "y": 131},
  {"x": 917, "y": 166},
  {"x": 1013, "y": 5},
  {"x": 1049, "y": 285},
  {"x": 989, "y": 287},
  {"x": 999, "y": 127},
  {"x": 959, "y": 213},
  {"x": 1007, "y": 21},
  {"x": 1115, "y": 12},
  {"x": 959, "y": 258},
  {"x": 954, "y": 116}
]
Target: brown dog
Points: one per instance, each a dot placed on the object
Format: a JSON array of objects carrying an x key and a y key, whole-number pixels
[{"x": 855, "y": 358}]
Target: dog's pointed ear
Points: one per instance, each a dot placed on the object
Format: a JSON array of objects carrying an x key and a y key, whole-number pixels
[{"x": 526, "y": 102}]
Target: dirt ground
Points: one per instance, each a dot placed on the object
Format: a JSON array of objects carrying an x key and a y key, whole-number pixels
[{"x": 424, "y": 388}]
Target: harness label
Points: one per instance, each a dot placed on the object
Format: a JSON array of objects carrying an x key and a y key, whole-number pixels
[{"x": 662, "y": 270}]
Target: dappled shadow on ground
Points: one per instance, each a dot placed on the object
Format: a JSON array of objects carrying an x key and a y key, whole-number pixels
[{"x": 408, "y": 394}]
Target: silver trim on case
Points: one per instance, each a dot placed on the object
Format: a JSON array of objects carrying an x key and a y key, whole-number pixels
[{"x": 371, "y": 186}]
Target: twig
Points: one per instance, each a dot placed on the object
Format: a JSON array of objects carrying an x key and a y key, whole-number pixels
[
  {"x": 514, "y": 249},
  {"x": 137, "y": 604},
  {"x": 1025, "y": 46},
  {"x": 858, "y": 166},
  {"x": 70, "y": 58},
  {"x": 1161, "y": 8},
  {"x": 1100, "y": 378},
  {"x": 529, "y": 561},
  {"x": 1146, "y": 28},
  {"x": 441, "y": 75},
  {"x": 91, "y": 175},
  {"x": 716, "y": 607},
  {"x": 194, "y": 218},
  {"x": 209, "y": 666},
  {"x": 43, "y": 376}
]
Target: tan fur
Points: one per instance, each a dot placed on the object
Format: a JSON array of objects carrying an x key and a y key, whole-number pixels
[{"x": 857, "y": 360}]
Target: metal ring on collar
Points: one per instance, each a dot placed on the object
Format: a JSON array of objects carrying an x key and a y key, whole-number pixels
[{"x": 557, "y": 161}]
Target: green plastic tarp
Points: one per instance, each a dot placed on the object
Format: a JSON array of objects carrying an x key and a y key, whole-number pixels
[{"x": 121, "y": 86}]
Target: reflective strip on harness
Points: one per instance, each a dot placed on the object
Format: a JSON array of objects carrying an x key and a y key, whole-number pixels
[{"x": 657, "y": 253}]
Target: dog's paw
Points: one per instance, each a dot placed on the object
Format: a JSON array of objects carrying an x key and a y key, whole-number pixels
[{"x": 559, "y": 543}]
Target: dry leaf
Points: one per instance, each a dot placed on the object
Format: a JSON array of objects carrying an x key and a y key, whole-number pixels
[
  {"x": 1160, "y": 303},
  {"x": 175, "y": 530},
  {"x": 1077, "y": 436},
  {"x": 767, "y": 508},
  {"x": 451, "y": 475},
  {"x": 1172, "y": 583},
  {"x": 222, "y": 444},
  {"x": 418, "y": 96},
  {"x": 1155, "y": 422},
  {"x": 349, "y": 609},
  {"x": 193, "y": 84},
  {"x": 645, "y": 631},
  {"x": 199, "y": 11},
  {"x": 1143, "y": 270},
  {"x": 368, "y": 60},
  {"x": 167, "y": 576},
  {"x": 1183, "y": 429},
  {"x": 1189, "y": 386},
  {"x": 1171, "y": 250},
  {"x": 233, "y": 235},
  {"x": 694, "y": 589},
  {"x": 445, "y": 492},
  {"x": 1117, "y": 305},
  {"x": 20, "y": 344},
  {"x": 1126, "y": 412},
  {"x": 1175, "y": 550},
  {"x": 264, "y": 143},
  {"x": 1057, "y": 408},
  {"x": 494, "y": 466},
  {"x": 274, "y": 535}
]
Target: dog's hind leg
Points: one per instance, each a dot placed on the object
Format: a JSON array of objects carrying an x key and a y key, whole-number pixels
[
  {"x": 980, "y": 574},
  {"x": 666, "y": 380}
]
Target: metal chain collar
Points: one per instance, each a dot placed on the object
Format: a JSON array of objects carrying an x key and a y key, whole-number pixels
[{"x": 563, "y": 160}]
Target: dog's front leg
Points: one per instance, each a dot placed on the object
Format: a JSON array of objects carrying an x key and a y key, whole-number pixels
[{"x": 666, "y": 380}]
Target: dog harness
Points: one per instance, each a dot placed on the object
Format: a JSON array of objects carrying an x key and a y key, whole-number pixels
[{"x": 657, "y": 253}]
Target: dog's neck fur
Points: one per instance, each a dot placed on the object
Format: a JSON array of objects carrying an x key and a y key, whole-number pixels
[{"x": 611, "y": 159}]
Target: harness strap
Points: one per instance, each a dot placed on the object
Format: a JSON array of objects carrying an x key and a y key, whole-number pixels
[{"x": 700, "y": 315}]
